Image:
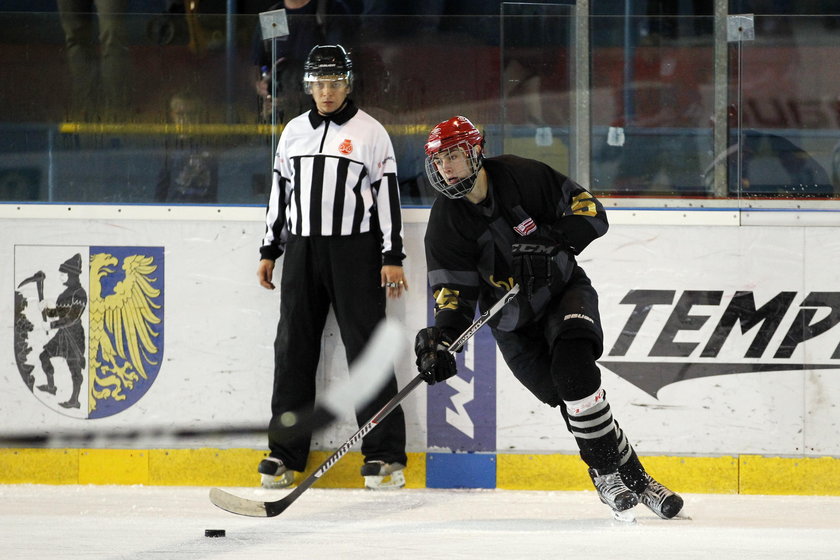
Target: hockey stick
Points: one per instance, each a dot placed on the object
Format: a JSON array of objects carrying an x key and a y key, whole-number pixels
[
  {"x": 254, "y": 508},
  {"x": 368, "y": 374}
]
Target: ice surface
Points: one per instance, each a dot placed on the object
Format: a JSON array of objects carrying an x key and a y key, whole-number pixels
[{"x": 136, "y": 522}]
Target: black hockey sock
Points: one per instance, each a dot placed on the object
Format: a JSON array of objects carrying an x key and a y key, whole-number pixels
[
  {"x": 591, "y": 423},
  {"x": 633, "y": 474}
]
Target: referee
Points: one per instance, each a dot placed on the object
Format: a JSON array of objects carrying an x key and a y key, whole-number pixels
[{"x": 334, "y": 213}]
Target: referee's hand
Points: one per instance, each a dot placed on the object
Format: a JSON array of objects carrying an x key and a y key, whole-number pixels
[
  {"x": 393, "y": 280},
  {"x": 265, "y": 271}
]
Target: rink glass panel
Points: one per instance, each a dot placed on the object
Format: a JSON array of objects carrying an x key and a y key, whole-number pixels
[{"x": 640, "y": 108}]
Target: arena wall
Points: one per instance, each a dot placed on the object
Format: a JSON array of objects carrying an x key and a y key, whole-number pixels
[{"x": 721, "y": 356}]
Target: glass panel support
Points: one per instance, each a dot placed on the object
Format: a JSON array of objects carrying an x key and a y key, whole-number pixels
[{"x": 581, "y": 157}]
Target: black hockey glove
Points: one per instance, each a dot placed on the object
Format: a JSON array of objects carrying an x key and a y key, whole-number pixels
[
  {"x": 434, "y": 361},
  {"x": 533, "y": 263}
]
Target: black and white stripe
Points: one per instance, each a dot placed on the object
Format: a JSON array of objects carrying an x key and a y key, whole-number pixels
[
  {"x": 596, "y": 423},
  {"x": 334, "y": 177},
  {"x": 593, "y": 423}
]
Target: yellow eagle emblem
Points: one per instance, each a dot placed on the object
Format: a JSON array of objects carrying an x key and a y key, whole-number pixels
[{"x": 122, "y": 326}]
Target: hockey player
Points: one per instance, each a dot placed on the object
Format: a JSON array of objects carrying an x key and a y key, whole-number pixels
[
  {"x": 507, "y": 220},
  {"x": 334, "y": 213}
]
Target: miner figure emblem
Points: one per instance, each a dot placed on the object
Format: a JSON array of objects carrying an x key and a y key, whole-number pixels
[{"x": 65, "y": 319}]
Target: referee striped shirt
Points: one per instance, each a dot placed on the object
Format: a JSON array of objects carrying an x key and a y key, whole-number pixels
[{"x": 334, "y": 175}]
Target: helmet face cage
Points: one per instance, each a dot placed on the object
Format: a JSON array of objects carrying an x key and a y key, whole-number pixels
[
  {"x": 473, "y": 159},
  {"x": 327, "y": 63},
  {"x": 448, "y": 141}
]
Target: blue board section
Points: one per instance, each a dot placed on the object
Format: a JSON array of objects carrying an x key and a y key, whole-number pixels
[
  {"x": 460, "y": 470},
  {"x": 461, "y": 412}
]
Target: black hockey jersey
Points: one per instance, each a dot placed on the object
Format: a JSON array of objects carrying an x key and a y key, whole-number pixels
[{"x": 468, "y": 246}]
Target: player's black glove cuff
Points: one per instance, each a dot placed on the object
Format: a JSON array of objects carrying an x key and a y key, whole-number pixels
[{"x": 434, "y": 360}]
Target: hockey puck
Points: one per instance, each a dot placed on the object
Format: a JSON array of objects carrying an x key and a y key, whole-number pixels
[{"x": 214, "y": 532}]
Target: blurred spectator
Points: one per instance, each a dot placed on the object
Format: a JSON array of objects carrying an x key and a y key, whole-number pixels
[
  {"x": 772, "y": 17},
  {"x": 101, "y": 73},
  {"x": 763, "y": 164},
  {"x": 772, "y": 165},
  {"x": 530, "y": 55},
  {"x": 190, "y": 171},
  {"x": 654, "y": 134},
  {"x": 397, "y": 20},
  {"x": 835, "y": 167},
  {"x": 311, "y": 23},
  {"x": 20, "y": 183}
]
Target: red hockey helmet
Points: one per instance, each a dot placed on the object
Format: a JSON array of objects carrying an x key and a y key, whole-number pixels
[{"x": 456, "y": 139}]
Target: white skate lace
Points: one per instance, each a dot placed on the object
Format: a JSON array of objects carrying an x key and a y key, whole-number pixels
[
  {"x": 654, "y": 496},
  {"x": 610, "y": 486}
]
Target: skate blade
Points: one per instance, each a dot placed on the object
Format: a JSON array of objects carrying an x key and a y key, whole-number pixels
[
  {"x": 393, "y": 481},
  {"x": 626, "y": 516},
  {"x": 271, "y": 482}
]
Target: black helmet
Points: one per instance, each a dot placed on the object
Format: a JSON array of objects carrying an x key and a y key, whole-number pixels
[{"x": 327, "y": 60}]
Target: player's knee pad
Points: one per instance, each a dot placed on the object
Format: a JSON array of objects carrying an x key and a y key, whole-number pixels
[
  {"x": 574, "y": 369},
  {"x": 586, "y": 332}
]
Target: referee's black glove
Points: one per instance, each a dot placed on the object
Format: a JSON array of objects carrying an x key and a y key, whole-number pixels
[{"x": 434, "y": 360}]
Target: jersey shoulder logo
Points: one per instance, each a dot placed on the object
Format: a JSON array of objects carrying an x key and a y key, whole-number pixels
[
  {"x": 346, "y": 147},
  {"x": 526, "y": 227}
]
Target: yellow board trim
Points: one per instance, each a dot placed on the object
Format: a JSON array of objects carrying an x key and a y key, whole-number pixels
[
  {"x": 812, "y": 476},
  {"x": 113, "y": 466},
  {"x": 39, "y": 466},
  {"x": 712, "y": 475},
  {"x": 745, "y": 474}
]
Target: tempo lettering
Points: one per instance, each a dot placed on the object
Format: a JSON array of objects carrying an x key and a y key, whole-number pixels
[{"x": 800, "y": 324}]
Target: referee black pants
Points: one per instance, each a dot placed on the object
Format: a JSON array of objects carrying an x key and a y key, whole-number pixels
[{"x": 319, "y": 272}]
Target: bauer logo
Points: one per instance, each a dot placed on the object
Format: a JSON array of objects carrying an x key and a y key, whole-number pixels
[
  {"x": 88, "y": 325},
  {"x": 670, "y": 336},
  {"x": 461, "y": 412}
]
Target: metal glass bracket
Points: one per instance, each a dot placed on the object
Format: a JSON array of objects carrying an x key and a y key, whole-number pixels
[{"x": 740, "y": 28}]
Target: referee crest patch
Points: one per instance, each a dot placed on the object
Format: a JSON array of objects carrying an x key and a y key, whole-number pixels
[{"x": 346, "y": 147}]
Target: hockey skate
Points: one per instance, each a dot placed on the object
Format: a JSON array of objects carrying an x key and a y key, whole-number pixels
[
  {"x": 613, "y": 492},
  {"x": 660, "y": 500},
  {"x": 380, "y": 475},
  {"x": 274, "y": 474}
]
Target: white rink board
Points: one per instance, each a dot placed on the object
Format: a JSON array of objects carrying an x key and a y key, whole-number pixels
[
  {"x": 219, "y": 331},
  {"x": 217, "y": 363},
  {"x": 787, "y": 412}
]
